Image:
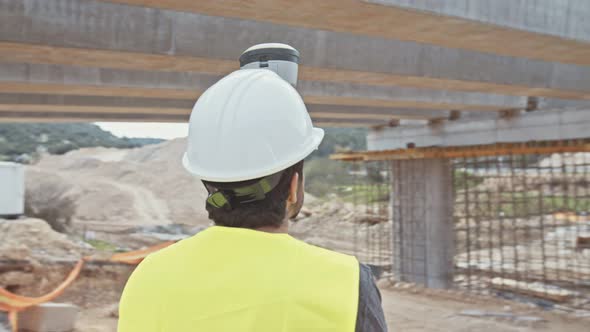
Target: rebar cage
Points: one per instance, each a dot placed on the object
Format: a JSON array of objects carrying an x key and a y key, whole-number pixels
[
  {"x": 372, "y": 231},
  {"x": 521, "y": 224},
  {"x": 522, "y": 227}
]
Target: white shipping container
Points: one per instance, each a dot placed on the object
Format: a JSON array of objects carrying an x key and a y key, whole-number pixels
[{"x": 12, "y": 189}]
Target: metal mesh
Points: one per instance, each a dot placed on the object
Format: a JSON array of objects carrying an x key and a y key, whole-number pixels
[
  {"x": 372, "y": 230},
  {"x": 520, "y": 224},
  {"x": 521, "y": 227}
]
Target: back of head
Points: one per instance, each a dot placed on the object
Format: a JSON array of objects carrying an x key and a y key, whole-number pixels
[
  {"x": 269, "y": 211},
  {"x": 248, "y": 135}
]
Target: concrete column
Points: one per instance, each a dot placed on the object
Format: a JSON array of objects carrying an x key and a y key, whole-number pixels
[{"x": 423, "y": 237}]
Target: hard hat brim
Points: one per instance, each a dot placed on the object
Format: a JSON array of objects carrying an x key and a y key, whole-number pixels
[{"x": 311, "y": 144}]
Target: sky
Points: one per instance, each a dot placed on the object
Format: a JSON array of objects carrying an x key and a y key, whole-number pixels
[{"x": 146, "y": 129}]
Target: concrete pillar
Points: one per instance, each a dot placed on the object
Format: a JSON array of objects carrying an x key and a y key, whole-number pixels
[{"x": 423, "y": 237}]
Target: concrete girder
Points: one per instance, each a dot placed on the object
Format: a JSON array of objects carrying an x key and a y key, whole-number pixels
[
  {"x": 93, "y": 24},
  {"x": 94, "y": 58},
  {"x": 56, "y": 110},
  {"x": 101, "y": 116},
  {"x": 465, "y": 100},
  {"x": 560, "y": 18},
  {"x": 545, "y": 103},
  {"x": 313, "y": 92},
  {"x": 382, "y": 113},
  {"x": 93, "y": 104},
  {"x": 95, "y": 90},
  {"x": 116, "y": 102},
  {"x": 48, "y": 117},
  {"x": 532, "y": 126},
  {"x": 362, "y": 18},
  {"x": 42, "y": 118}
]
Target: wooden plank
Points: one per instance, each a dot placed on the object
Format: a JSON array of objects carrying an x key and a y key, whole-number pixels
[
  {"x": 384, "y": 117},
  {"x": 361, "y": 18},
  {"x": 69, "y": 113},
  {"x": 323, "y": 124},
  {"x": 468, "y": 151},
  {"x": 28, "y": 108},
  {"x": 19, "y": 53},
  {"x": 570, "y": 217},
  {"x": 534, "y": 289}
]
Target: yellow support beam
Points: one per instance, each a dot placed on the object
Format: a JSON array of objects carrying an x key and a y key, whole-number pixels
[{"x": 544, "y": 147}]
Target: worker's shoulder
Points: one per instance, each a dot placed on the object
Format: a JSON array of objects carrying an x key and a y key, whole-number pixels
[{"x": 166, "y": 256}]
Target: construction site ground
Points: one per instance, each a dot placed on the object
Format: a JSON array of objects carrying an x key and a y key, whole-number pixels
[
  {"x": 407, "y": 307},
  {"x": 419, "y": 310}
]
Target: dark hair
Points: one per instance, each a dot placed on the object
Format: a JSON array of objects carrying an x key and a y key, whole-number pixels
[{"x": 267, "y": 212}]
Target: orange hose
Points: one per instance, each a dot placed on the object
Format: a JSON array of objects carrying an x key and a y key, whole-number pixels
[
  {"x": 13, "y": 303},
  {"x": 135, "y": 257},
  {"x": 18, "y": 303}
]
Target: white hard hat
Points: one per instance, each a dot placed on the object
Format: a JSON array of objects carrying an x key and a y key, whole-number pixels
[{"x": 250, "y": 124}]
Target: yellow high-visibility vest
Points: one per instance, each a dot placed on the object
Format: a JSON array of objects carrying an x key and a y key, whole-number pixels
[{"x": 235, "y": 279}]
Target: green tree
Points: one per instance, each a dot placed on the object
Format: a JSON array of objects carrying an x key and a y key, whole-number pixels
[{"x": 59, "y": 138}]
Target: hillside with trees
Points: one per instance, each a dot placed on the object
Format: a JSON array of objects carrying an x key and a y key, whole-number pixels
[
  {"x": 22, "y": 141},
  {"x": 325, "y": 176},
  {"x": 341, "y": 139}
]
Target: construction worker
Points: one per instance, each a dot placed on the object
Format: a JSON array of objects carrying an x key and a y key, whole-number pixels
[{"x": 248, "y": 136}]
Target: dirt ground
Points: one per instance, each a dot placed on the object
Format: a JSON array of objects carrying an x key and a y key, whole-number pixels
[
  {"x": 415, "y": 310},
  {"x": 407, "y": 311},
  {"x": 407, "y": 308}
]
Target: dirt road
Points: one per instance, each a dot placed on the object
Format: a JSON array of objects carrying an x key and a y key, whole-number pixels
[{"x": 151, "y": 210}]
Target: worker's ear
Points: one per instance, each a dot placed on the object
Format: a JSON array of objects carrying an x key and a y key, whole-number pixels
[{"x": 293, "y": 189}]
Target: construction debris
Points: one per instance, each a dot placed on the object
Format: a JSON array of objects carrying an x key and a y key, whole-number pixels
[
  {"x": 534, "y": 289},
  {"x": 49, "y": 317},
  {"x": 33, "y": 239},
  {"x": 16, "y": 278},
  {"x": 502, "y": 315}
]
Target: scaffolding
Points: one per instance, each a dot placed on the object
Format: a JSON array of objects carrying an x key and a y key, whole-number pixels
[{"x": 520, "y": 219}]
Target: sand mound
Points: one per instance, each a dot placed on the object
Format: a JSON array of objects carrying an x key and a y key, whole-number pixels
[
  {"x": 33, "y": 239},
  {"x": 144, "y": 186},
  {"x": 116, "y": 190}
]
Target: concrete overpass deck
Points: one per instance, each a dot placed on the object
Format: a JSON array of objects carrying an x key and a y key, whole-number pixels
[{"x": 379, "y": 63}]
